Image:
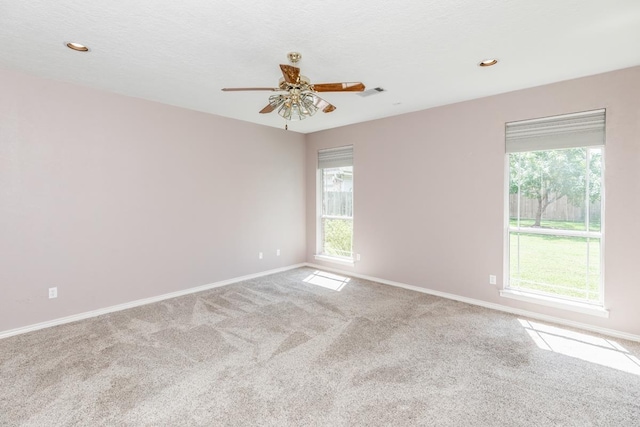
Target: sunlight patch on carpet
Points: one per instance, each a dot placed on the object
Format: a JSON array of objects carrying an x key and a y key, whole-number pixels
[
  {"x": 335, "y": 282},
  {"x": 601, "y": 351}
]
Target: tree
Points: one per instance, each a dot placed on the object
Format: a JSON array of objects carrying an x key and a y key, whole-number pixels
[{"x": 547, "y": 176}]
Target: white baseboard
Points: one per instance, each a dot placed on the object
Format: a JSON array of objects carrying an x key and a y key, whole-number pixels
[
  {"x": 499, "y": 307},
  {"x": 137, "y": 303}
]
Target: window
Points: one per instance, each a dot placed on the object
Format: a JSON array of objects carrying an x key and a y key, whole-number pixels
[
  {"x": 335, "y": 197},
  {"x": 555, "y": 193}
]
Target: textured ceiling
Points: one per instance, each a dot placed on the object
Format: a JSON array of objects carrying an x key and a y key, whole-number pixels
[{"x": 422, "y": 52}]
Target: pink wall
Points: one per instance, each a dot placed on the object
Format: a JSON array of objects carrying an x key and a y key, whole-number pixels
[
  {"x": 113, "y": 199},
  {"x": 429, "y": 192}
]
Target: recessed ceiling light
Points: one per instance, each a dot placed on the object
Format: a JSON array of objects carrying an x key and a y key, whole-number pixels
[
  {"x": 488, "y": 62},
  {"x": 77, "y": 46}
]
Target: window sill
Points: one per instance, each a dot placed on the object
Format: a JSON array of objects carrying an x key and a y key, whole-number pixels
[
  {"x": 556, "y": 303},
  {"x": 335, "y": 260}
]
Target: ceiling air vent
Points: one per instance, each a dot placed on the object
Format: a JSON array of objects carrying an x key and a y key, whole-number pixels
[{"x": 370, "y": 92}]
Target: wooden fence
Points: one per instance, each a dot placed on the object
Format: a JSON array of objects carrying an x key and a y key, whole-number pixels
[
  {"x": 560, "y": 210},
  {"x": 339, "y": 203}
]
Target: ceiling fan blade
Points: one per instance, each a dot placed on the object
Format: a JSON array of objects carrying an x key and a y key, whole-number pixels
[
  {"x": 323, "y": 105},
  {"x": 269, "y": 108},
  {"x": 329, "y": 108},
  {"x": 290, "y": 73},
  {"x": 339, "y": 87},
  {"x": 238, "y": 89}
]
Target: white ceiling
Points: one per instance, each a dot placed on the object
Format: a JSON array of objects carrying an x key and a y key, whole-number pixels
[{"x": 424, "y": 53}]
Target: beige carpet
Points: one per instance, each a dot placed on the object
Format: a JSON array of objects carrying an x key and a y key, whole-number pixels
[{"x": 280, "y": 351}]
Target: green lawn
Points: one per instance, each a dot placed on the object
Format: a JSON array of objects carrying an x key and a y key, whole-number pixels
[{"x": 555, "y": 264}]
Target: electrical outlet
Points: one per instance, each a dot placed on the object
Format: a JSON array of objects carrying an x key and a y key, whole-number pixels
[
  {"x": 259, "y": 255},
  {"x": 277, "y": 252},
  {"x": 357, "y": 257},
  {"x": 53, "y": 293},
  {"x": 492, "y": 279}
]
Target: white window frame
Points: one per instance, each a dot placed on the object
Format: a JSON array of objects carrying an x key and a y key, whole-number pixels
[
  {"x": 559, "y": 301},
  {"x": 320, "y": 255}
]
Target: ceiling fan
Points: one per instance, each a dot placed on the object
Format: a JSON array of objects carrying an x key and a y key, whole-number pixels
[{"x": 298, "y": 97}]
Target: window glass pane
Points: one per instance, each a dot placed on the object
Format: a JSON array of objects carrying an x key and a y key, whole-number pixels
[
  {"x": 337, "y": 195},
  {"x": 337, "y": 236},
  {"x": 337, "y": 211},
  {"x": 595, "y": 188},
  {"x": 594, "y": 278},
  {"x": 556, "y": 265},
  {"x": 515, "y": 195},
  {"x": 547, "y": 189}
]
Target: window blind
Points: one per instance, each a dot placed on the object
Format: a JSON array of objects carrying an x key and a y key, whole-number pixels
[
  {"x": 550, "y": 133},
  {"x": 335, "y": 157}
]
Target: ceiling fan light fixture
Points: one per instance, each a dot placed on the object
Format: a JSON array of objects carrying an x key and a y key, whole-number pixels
[
  {"x": 291, "y": 111},
  {"x": 77, "y": 47},
  {"x": 298, "y": 106},
  {"x": 276, "y": 100},
  {"x": 488, "y": 62},
  {"x": 308, "y": 103},
  {"x": 297, "y": 98}
]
